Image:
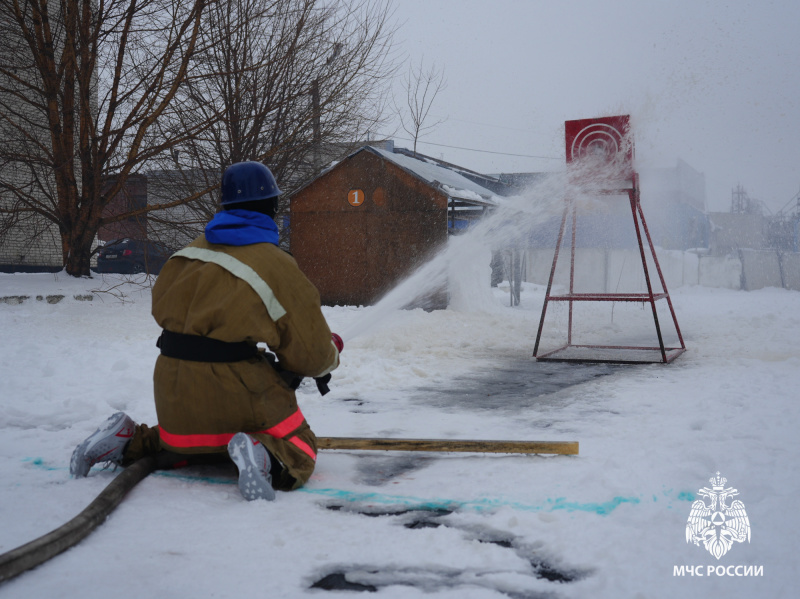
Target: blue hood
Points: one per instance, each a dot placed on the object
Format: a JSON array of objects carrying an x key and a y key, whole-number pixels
[{"x": 241, "y": 227}]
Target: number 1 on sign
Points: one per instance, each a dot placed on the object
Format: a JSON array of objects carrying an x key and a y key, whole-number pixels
[{"x": 355, "y": 197}]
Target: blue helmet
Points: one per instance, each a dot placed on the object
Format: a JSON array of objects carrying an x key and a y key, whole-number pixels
[{"x": 248, "y": 182}]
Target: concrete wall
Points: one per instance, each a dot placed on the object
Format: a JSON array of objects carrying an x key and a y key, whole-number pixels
[
  {"x": 613, "y": 271},
  {"x": 28, "y": 241},
  {"x": 720, "y": 271},
  {"x": 31, "y": 245},
  {"x": 620, "y": 271},
  {"x": 760, "y": 269},
  {"x": 730, "y": 232},
  {"x": 790, "y": 267}
]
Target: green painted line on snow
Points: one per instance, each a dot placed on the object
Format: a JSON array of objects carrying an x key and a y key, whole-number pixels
[
  {"x": 478, "y": 505},
  {"x": 420, "y": 503}
]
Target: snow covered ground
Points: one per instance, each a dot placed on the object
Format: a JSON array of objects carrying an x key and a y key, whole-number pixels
[{"x": 607, "y": 523}]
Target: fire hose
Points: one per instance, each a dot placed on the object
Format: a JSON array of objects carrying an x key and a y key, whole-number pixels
[{"x": 40, "y": 550}]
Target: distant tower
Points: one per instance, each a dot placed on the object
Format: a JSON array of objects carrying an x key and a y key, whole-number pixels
[{"x": 740, "y": 203}]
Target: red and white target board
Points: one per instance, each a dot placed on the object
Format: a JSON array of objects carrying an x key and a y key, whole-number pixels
[
  {"x": 606, "y": 137},
  {"x": 601, "y": 147}
]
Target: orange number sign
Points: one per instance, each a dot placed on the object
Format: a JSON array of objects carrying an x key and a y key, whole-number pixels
[{"x": 355, "y": 197}]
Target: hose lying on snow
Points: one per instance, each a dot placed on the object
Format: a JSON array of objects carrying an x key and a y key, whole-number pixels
[
  {"x": 40, "y": 550},
  {"x": 45, "y": 547}
]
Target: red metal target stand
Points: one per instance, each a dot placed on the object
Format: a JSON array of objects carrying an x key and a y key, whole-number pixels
[{"x": 608, "y": 135}]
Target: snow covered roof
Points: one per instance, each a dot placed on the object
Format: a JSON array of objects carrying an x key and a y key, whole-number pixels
[{"x": 447, "y": 180}]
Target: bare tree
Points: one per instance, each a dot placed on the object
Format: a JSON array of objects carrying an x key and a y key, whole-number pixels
[
  {"x": 422, "y": 86},
  {"x": 93, "y": 92},
  {"x": 303, "y": 74},
  {"x": 83, "y": 85}
]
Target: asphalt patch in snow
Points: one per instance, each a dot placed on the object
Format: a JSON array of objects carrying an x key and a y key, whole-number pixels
[
  {"x": 372, "y": 512},
  {"x": 358, "y": 406},
  {"x": 513, "y": 385},
  {"x": 337, "y": 581},
  {"x": 371, "y": 578},
  {"x": 375, "y": 472}
]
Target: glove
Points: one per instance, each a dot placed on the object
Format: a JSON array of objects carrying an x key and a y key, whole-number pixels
[
  {"x": 322, "y": 383},
  {"x": 337, "y": 341}
]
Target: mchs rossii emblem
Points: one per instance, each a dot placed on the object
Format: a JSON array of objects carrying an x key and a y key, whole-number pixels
[{"x": 717, "y": 520}]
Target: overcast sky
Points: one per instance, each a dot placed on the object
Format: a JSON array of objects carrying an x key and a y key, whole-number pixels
[{"x": 714, "y": 83}]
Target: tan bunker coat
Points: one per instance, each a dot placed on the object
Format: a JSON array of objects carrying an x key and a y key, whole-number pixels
[{"x": 256, "y": 294}]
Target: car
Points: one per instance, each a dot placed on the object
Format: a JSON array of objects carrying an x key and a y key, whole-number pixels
[{"x": 131, "y": 256}]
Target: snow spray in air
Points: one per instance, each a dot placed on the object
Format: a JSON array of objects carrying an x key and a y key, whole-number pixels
[{"x": 462, "y": 265}]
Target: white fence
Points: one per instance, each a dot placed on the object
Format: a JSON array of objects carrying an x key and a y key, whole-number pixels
[{"x": 611, "y": 271}]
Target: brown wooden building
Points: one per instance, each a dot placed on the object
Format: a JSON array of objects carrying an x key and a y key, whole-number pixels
[
  {"x": 133, "y": 196},
  {"x": 365, "y": 223}
]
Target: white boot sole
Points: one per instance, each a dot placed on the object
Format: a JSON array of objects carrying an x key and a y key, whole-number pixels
[{"x": 252, "y": 461}]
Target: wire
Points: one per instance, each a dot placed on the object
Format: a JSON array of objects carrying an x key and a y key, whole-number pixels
[
  {"x": 794, "y": 197},
  {"x": 516, "y": 129},
  {"x": 430, "y": 143}
]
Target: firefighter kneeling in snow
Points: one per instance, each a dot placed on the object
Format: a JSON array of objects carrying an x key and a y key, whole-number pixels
[{"x": 215, "y": 390}]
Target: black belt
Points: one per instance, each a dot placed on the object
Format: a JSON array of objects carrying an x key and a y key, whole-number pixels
[{"x": 204, "y": 349}]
